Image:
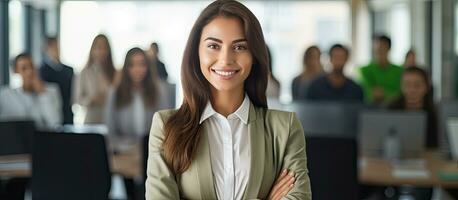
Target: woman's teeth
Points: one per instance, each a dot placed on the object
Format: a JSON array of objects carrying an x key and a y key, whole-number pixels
[{"x": 224, "y": 73}]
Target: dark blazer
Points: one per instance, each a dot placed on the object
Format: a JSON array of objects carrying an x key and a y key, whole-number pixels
[
  {"x": 161, "y": 70},
  {"x": 62, "y": 75}
]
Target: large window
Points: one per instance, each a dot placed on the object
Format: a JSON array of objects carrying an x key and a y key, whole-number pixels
[
  {"x": 16, "y": 28},
  {"x": 289, "y": 28}
]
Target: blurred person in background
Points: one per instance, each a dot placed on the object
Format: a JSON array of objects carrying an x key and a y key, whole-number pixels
[
  {"x": 380, "y": 79},
  {"x": 34, "y": 100},
  {"x": 95, "y": 79},
  {"x": 410, "y": 59},
  {"x": 132, "y": 103},
  {"x": 415, "y": 86},
  {"x": 153, "y": 56},
  {"x": 53, "y": 71},
  {"x": 335, "y": 86},
  {"x": 311, "y": 69}
]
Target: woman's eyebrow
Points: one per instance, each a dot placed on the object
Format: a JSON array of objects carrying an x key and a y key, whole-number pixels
[
  {"x": 239, "y": 40},
  {"x": 220, "y": 41},
  {"x": 214, "y": 39}
]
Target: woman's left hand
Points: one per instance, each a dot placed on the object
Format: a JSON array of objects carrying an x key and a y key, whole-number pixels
[{"x": 282, "y": 185}]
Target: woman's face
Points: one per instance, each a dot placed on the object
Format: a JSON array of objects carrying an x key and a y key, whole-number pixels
[
  {"x": 313, "y": 62},
  {"x": 100, "y": 50},
  {"x": 414, "y": 87},
  {"x": 138, "y": 68},
  {"x": 225, "y": 59}
]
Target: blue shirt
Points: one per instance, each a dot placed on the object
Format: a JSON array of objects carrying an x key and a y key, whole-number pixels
[{"x": 321, "y": 89}]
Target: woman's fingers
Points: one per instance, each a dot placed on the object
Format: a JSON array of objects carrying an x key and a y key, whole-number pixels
[
  {"x": 285, "y": 186},
  {"x": 281, "y": 186},
  {"x": 282, "y": 175},
  {"x": 279, "y": 182}
]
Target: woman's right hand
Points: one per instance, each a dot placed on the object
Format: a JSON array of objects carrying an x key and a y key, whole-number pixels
[{"x": 283, "y": 184}]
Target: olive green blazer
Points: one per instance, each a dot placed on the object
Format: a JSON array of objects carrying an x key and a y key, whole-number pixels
[{"x": 277, "y": 142}]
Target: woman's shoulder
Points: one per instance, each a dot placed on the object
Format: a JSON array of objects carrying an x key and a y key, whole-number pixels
[
  {"x": 162, "y": 116},
  {"x": 279, "y": 118}
]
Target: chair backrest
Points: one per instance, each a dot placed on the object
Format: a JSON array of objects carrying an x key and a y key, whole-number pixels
[
  {"x": 16, "y": 137},
  {"x": 332, "y": 164},
  {"x": 327, "y": 119},
  {"x": 70, "y": 166}
]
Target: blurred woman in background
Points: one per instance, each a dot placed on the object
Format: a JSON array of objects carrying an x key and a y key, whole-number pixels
[
  {"x": 312, "y": 68},
  {"x": 131, "y": 104},
  {"x": 95, "y": 79},
  {"x": 415, "y": 88}
]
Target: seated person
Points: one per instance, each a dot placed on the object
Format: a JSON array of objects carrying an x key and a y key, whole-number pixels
[
  {"x": 415, "y": 86},
  {"x": 34, "y": 100},
  {"x": 335, "y": 86},
  {"x": 132, "y": 104}
]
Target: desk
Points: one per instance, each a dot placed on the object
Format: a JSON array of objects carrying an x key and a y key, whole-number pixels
[
  {"x": 379, "y": 172},
  {"x": 127, "y": 164}
]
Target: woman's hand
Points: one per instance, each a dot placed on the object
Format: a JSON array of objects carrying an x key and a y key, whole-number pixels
[{"x": 283, "y": 184}]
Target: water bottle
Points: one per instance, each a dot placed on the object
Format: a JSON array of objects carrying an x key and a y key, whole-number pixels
[{"x": 392, "y": 145}]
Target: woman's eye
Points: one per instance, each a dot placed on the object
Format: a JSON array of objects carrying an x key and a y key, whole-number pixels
[
  {"x": 240, "y": 47},
  {"x": 213, "y": 46}
]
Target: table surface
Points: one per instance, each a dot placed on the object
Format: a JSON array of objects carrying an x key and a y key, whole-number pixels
[
  {"x": 373, "y": 171},
  {"x": 376, "y": 171}
]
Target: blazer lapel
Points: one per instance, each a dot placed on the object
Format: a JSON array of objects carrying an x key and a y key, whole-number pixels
[
  {"x": 257, "y": 144},
  {"x": 204, "y": 169}
]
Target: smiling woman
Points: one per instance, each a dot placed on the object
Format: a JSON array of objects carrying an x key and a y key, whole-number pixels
[{"x": 223, "y": 142}]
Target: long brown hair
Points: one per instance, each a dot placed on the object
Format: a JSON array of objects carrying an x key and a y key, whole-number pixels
[
  {"x": 182, "y": 133},
  {"x": 149, "y": 91},
  {"x": 107, "y": 64},
  {"x": 306, "y": 59}
]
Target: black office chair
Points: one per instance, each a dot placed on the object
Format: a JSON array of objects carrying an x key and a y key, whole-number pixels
[
  {"x": 332, "y": 164},
  {"x": 16, "y": 137},
  {"x": 70, "y": 166}
]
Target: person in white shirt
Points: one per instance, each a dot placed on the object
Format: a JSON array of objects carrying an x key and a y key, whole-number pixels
[
  {"x": 131, "y": 104},
  {"x": 223, "y": 142},
  {"x": 34, "y": 101}
]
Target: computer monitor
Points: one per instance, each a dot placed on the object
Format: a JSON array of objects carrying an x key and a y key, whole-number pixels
[
  {"x": 446, "y": 110},
  {"x": 327, "y": 118},
  {"x": 409, "y": 126},
  {"x": 16, "y": 137}
]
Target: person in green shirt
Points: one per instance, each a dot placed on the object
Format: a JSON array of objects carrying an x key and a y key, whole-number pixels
[{"x": 380, "y": 78}]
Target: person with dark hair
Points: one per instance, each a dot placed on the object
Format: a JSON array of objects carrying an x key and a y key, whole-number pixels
[
  {"x": 381, "y": 79},
  {"x": 34, "y": 100},
  {"x": 273, "y": 85},
  {"x": 410, "y": 59},
  {"x": 53, "y": 71},
  {"x": 335, "y": 86},
  {"x": 223, "y": 142},
  {"x": 153, "y": 55},
  {"x": 131, "y": 104},
  {"x": 312, "y": 68},
  {"x": 415, "y": 86},
  {"x": 95, "y": 79}
]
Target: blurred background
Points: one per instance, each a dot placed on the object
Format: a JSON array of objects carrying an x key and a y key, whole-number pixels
[{"x": 374, "y": 83}]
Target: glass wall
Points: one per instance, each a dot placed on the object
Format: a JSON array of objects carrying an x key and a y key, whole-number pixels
[{"x": 289, "y": 27}]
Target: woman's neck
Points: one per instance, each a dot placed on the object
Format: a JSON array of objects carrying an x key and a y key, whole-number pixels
[
  {"x": 227, "y": 102},
  {"x": 414, "y": 105}
]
